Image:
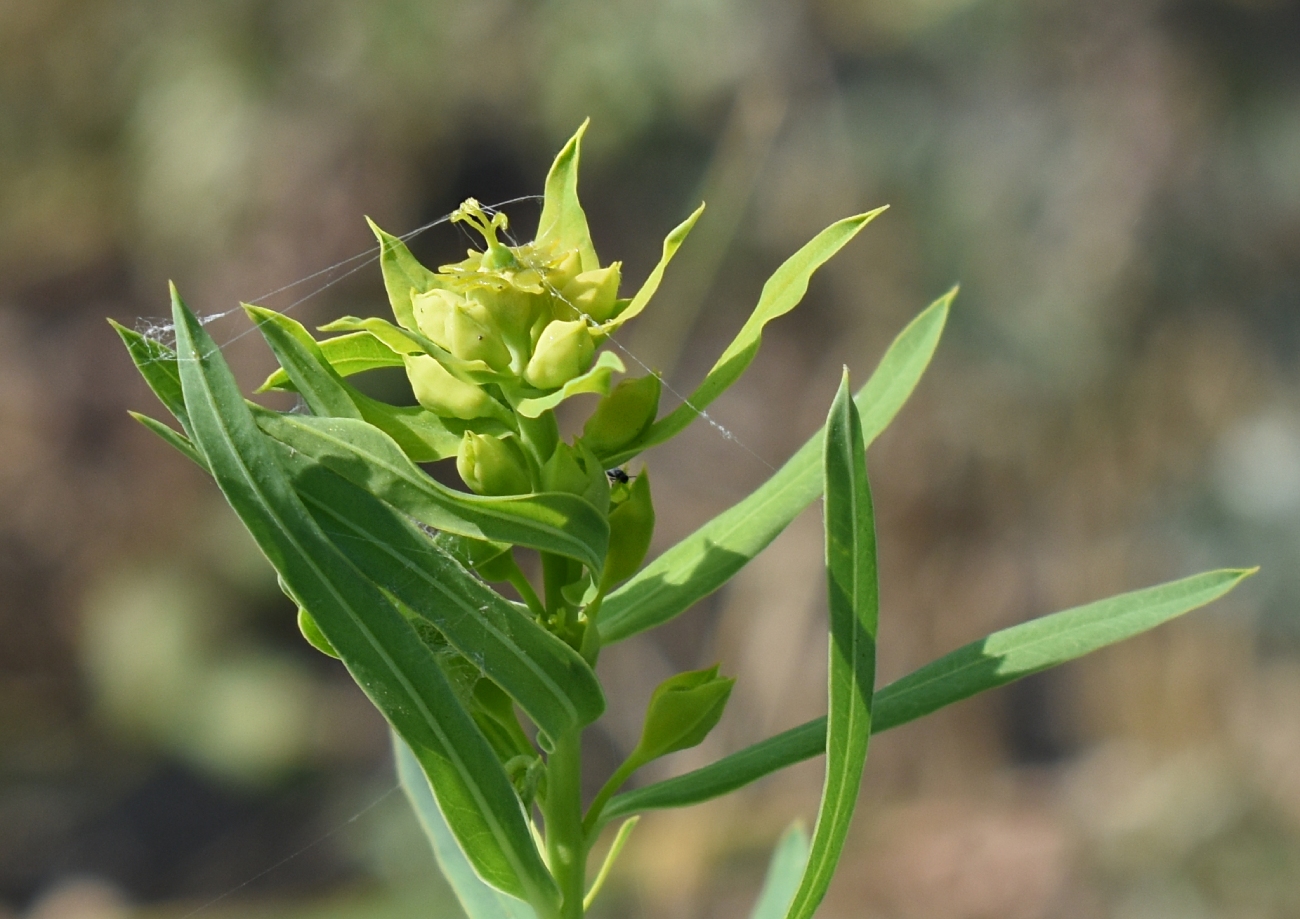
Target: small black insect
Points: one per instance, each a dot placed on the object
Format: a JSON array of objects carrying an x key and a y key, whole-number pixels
[{"x": 617, "y": 475}]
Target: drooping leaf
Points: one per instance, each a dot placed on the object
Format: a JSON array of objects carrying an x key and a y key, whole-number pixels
[
  {"x": 595, "y": 380},
  {"x": 546, "y": 678},
  {"x": 563, "y": 221},
  {"x": 783, "y": 874},
  {"x": 854, "y": 601},
  {"x": 380, "y": 649},
  {"x": 642, "y": 297},
  {"x": 478, "y": 900},
  {"x": 551, "y": 522},
  {"x": 350, "y": 354},
  {"x": 707, "y": 559},
  {"x": 993, "y": 661},
  {"x": 781, "y": 293},
  {"x": 402, "y": 274}
]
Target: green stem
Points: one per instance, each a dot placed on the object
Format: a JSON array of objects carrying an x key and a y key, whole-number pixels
[
  {"x": 592, "y": 820},
  {"x": 566, "y": 843},
  {"x": 519, "y": 581}
]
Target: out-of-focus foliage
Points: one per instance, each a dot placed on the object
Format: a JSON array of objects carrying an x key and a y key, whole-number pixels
[{"x": 1115, "y": 186}]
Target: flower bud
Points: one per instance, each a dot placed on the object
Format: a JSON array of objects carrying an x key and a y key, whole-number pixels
[
  {"x": 491, "y": 466},
  {"x": 683, "y": 710},
  {"x": 631, "y": 524},
  {"x": 441, "y": 393},
  {"x": 594, "y": 293},
  {"x": 431, "y": 310},
  {"x": 622, "y": 416},
  {"x": 473, "y": 335},
  {"x": 563, "y": 352}
]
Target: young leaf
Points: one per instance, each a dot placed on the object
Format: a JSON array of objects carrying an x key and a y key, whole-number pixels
[
  {"x": 993, "y": 661},
  {"x": 854, "y": 601},
  {"x": 672, "y": 242},
  {"x": 477, "y": 899},
  {"x": 548, "y": 679},
  {"x": 594, "y": 380},
  {"x": 783, "y": 874},
  {"x": 563, "y": 222},
  {"x": 552, "y": 522},
  {"x": 175, "y": 438},
  {"x": 379, "y": 647},
  {"x": 353, "y": 353},
  {"x": 781, "y": 293},
  {"x": 707, "y": 559},
  {"x": 402, "y": 274}
]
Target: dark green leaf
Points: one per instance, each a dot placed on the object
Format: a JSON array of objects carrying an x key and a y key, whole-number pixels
[
  {"x": 301, "y": 358},
  {"x": 157, "y": 364},
  {"x": 551, "y": 521},
  {"x": 547, "y": 678},
  {"x": 378, "y": 645}
]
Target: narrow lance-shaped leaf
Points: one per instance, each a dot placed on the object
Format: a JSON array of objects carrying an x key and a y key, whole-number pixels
[
  {"x": 157, "y": 365},
  {"x": 379, "y": 647},
  {"x": 781, "y": 293},
  {"x": 672, "y": 242},
  {"x": 993, "y": 661},
  {"x": 551, "y": 521},
  {"x": 477, "y": 899},
  {"x": 563, "y": 221},
  {"x": 707, "y": 559},
  {"x": 854, "y": 605},
  {"x": 546, "y": 678}
]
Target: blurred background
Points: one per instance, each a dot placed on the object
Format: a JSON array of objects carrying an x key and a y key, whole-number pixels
[{"x": 1116, "y": 402}]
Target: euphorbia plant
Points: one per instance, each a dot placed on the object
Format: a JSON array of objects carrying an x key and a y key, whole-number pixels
[{"x": 488, "y": 696}]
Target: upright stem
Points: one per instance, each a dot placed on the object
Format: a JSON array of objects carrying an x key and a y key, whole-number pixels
[{"x": 566, "y": 845}]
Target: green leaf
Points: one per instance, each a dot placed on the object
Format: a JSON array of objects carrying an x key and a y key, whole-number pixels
[
  {"x": 594, "y": 380},
  {"x": 411, "y": 341},
  {"x": 157, "y": 364},
  {"x": 707, "y": 559},
  {"x": 423, "y": 436},
  {"x": 377, "y": 644},
  {"x": 854, "y": 601},
  {"x": 301, "y": 358},
  {"x": 548, "y": 679},
  {"x": 783, "y": 874},
  {"x": 1000, "y": 658},
  {"x": 551, "y": 522},
  {"x": 478, "y": 900},
  {"x": 781, "y": 293},
  {"x": 563, "y": 222},
  {"x": 353, "y": 353},
  {"x": 672, "y": 243},
  {"x": 175, "y": 438},
  {"x": 402, "y": 274}
]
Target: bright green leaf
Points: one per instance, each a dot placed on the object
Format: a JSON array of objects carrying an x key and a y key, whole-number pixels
[
  {"x": 563, "y": 221},
  {"x": 301, "y": 358},
  {"x": 595, "y": 380},
  {"x": 854, "y": 601},
  {"x": 672, "y": 243},
  {"x": 402, "y": 274},
  {"x": 781, "y": 293},
  {"x": 353, "y": 353},
  {"x": 707, "y": 559},
  {"x": 993, "y": 661}
]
